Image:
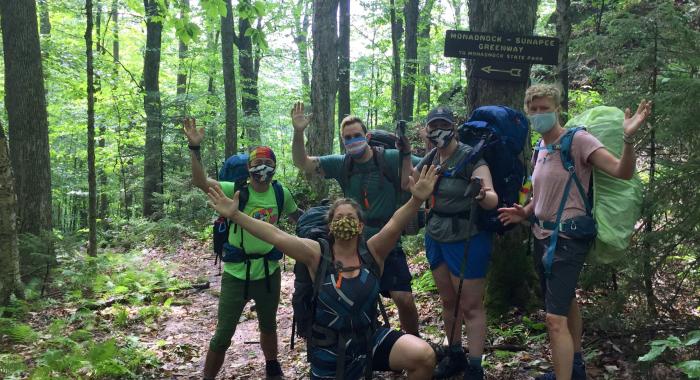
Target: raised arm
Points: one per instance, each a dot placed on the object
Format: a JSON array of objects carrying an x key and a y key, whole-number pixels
[
  {"x": 625, "y": 166},
  {"x": 309, "y": 165},
  {"x": 384, "y": 241},
  {"x": 194, "y": 139},
  {"x": 303, "y": 250}
]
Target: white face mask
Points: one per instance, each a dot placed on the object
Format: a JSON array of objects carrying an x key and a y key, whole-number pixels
[
  {"x": 441, "y": 137},
  {"x": 262, "y": 172}
]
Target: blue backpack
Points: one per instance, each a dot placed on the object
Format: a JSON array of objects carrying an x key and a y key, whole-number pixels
[{"x": 498, "y": 135}]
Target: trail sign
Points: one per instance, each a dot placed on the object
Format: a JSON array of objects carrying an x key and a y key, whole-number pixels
[
  {"x": 516, "y": 72},
  {"x": 502, "y": 47}
]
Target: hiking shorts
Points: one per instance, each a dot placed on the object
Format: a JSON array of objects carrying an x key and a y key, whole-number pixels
[
  {"x": 231, "y": 304},
  {"x": 452, "y": 253},
  {"x": 324, "y": 360},
  {"x": 560, "y": 288},
  {"x": 396, "y": 276}
]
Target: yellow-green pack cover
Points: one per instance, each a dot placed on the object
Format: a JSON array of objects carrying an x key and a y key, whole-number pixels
[{"x": 617, "y": 203}]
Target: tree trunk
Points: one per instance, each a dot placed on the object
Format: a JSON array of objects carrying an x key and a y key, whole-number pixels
[
  {"x": 410, "y": 64},
  {"x": 249, "y": 80},
  {"x": 44, "y": 20},
  {"x": 301, "y": 33},
  {"x": 424, "y": 59},
  {"x": 153, "y": 165},
  {"x": 511, "y": 276},
  {"x": 25, "y": 102},
  {"x": 324, "y": 84},
  {"x": 182, "y": 56},
  {"x": 92, "y": 185},
  {"x": 396, "y": 31},
  {"x": 457, "y": 62},
  {"x": 103, "y": 202},
  {"x": 227, "y": 41},
  {"x": 343, "y": 61},
  {"x": 564, "y": 34},
  {"x": 10, "y": 282}
]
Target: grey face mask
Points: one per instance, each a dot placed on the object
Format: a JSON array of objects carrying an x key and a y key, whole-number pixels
[
  {"x": 262, "y": 173},
  {"x": 441, "y": 137}
]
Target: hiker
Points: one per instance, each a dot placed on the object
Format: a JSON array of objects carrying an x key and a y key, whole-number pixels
[
  {"x": 367, "y": 175},
  {"x": 244, "y": 277},
  {"x": 552, "y": 202},
  {"x": 349, "y": 292},
  {"x": 449, "y": 232}
]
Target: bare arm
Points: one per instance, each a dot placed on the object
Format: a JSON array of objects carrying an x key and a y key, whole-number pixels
[
  {"x": 309, "y": 165},
  {"x": 384, "y": 241},
  {"x": 303, "y": 250},
  {"x": 625, "y": 166},
  {"x": 194, "y": 139}
]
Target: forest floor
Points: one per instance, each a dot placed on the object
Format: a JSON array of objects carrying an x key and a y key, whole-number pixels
[{"x": 177, "y": 338}]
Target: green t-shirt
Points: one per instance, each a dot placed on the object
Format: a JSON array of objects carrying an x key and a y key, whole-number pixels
[
  {"x": 262, "y": 206},
  {"x": 367, "y": 177}
]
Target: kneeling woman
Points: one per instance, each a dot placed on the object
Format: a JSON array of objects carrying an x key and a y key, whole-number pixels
[{"x": 355, "y": 285}]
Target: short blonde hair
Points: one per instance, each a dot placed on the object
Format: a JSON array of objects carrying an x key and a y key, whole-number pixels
[
  {"x": 542, "y": 91},
  {"x": 351, "y": 119}
]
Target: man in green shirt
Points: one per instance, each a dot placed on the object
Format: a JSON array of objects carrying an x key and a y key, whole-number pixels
[
  {"x": 251, "y": 270},
  {"x": 373, "y": 188}
]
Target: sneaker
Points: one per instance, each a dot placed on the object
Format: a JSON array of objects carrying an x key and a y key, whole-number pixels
[
  {"x": 578, "y": 373},
  {"x": 273, "y": 370},
  {"x": 453, "y": 363},
  {"x": 473, "y": 373}
]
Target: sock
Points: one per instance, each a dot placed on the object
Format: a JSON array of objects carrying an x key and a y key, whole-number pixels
[
  {"x": 578, "y": 359},
  {"x": 475, "y": 361}
]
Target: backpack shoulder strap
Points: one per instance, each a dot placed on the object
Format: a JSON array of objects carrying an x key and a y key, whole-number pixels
[
  {"x": 279, "y": 198},
  {"x": 380, "y": 162},
  {"x": 348, "y": 164},
  {"x": 323, "y": 265},
  {"x": 565, "y": 147},
  {"x": 368, "y": 259},
  {"x": 243, "y": 196}
]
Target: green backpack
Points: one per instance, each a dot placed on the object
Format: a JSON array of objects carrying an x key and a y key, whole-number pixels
[{"x": 616, "y": 202}]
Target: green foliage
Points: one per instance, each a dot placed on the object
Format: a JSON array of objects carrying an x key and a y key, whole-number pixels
[
  {"x": 424, "y": 283},
  {"x": 690, "y": 367}
]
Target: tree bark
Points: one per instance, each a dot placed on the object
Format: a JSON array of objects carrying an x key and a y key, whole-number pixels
[
  {"x": 396, "y": 31},
  {"x": 249, "y": 79},
  {"x": 103, "y": 202},
  {"x": 182, "y": 56},
  {"x": 410, "y": 64},
  {"x": 229, "y": 73},
  {"x": 153, "y": 165},
  {"x": 92, "y": 185},
  {"x": 25, "y": 102},
  {"x": 10, "y": 282},
  {"x": 424, "y": 59},
  {"x": 511, "y": 276},
  {"x": 457, "y": 9},
  {"x": 343, "y": 61},
  {"x": 324, "y": 84},
  {"x": 301, "y": 33},
  {"x": 44, "y": 20},
  {"x": 564, "y": 34}
]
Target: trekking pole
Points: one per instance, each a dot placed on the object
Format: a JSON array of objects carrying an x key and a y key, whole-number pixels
[{"x": 472, "y": 190}]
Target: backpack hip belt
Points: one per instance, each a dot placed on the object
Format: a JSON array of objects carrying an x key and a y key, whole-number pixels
[
  {"x": 234, "y": 254},
  {"x": 454, "y": 216},
  {"x": 325, "y": 337}
]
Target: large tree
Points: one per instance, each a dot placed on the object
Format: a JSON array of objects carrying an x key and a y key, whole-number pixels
[
  {"x": 410, "y": 61},
  {"x": 343, "y": 60},
  {"x": 301, "y": 32},
  {"x": 249, "y": 65},
  {"x": 564, "y": 33},
  {"x": 396, "y": 32},
  {"x": 25, "y": 102},
  {"x": 10, "y": 282},
  {"x": 153, "y": 160},
  {"x": 511, "y": 273},
  {"x": 424, "y": 59},
  {"x": 324, "y": 83},
  {"x": 231, "y": 107},
  {"x": 92, "y": 185}
]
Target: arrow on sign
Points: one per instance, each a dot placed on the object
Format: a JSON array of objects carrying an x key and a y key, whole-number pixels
[{"x": 512, "y": 72}]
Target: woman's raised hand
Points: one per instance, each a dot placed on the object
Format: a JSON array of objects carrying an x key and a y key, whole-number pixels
[{"x": 423, "y": 187}]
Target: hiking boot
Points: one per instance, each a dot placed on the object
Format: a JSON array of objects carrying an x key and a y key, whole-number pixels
[
  {"x": 451, "y": 364},
  {"x": 577, "y": 373},
  {"x": 473, "y": 373},
  {"x": 440, "y": 351},
  {"x": 273, "y": 370}
]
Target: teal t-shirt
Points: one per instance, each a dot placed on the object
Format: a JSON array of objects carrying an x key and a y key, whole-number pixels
[
  {"x": 367, "y": 179},
  {"x": 261, "y": 206}
]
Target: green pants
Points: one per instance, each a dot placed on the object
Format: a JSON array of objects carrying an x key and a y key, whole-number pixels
[{"x": 231, "y": 304}]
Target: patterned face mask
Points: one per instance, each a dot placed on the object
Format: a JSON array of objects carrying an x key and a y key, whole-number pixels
[
  {"x": 345, "y": 228},
  {"x": 262, "y": 173},
  {"x": 441, "y": 137}
]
